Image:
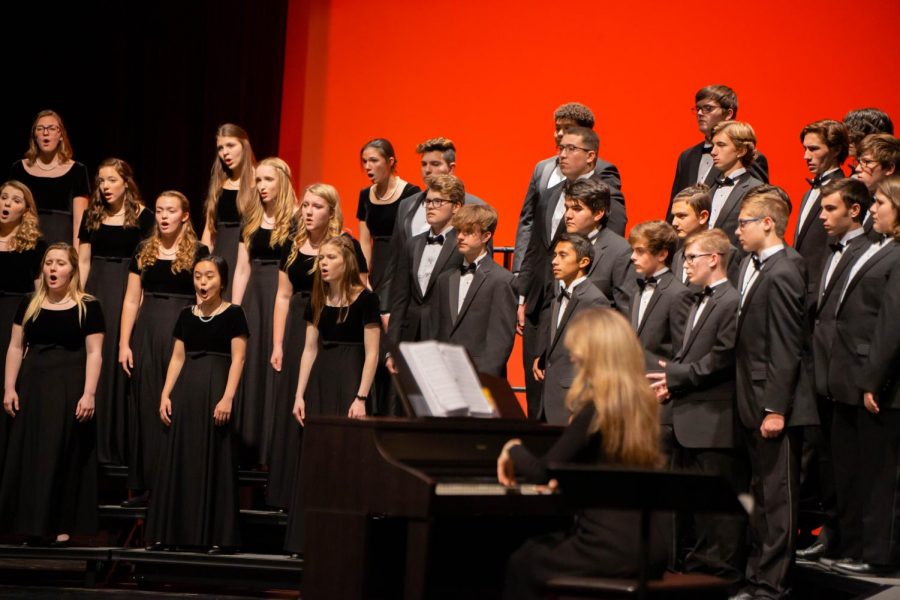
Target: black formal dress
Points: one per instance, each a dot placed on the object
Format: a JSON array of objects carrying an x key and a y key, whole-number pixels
[
  {"x": 228, "y": 231},
  {"x": 333, "y": 380},
  {"x": 601, "y": 542},
  {"x": 18, "y": 270},
  {"x": 284, "y": 454},
  {"x": 49, "y": 483},
  {"x": 112, "y": 247},
  {"x": 53, "y": 196},
  {"x": 195, "y": 499},
  {"x": 165, "y": 294}
]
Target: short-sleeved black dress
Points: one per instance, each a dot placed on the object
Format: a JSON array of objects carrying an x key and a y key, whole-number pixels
[
  {"x": 53, "y": 196},
  {"x": 284, "y": 455},
  {"x": 333, "y": 380},
  {"x": 228, "y": 231},
  {"x": 165, "y": 294},
  {"x": 195, "y": 498},
  {"x": 49, "y": 483},
  {"x": 254, "y": 412},
  {"x": 112, "y": 247},
  {"x": 18, "y": 270}
]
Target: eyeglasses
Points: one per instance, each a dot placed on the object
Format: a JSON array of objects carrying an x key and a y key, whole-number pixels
[
  {"x": 46, "y": 128},
  {"x": 569, "y": 148},
  {"x": 866, "y": 163},
  {"x": 435, "y": 202},
  {"x": 704, "y": 108},
  {"x": 690, "y": 258},
  {"x": 744, "y": 222}
]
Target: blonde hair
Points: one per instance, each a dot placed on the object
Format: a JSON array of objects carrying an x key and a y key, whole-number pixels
[
  {"x": 28, "y": 231},
  {"x": 187, "y": 240},
  {"x": 610, "y": 375},
  {"x": 712, "y": 240},
  {"x": 131, "y": 203},
  {"x": 335, "y": 221},
  {"x": 63, "y": 150},
  {"x": 767, "y": 201},
  {"x": 742, "y": 136},
  {"x": 285, "y": 203},
  {"x": 475, "y": 216},
  {"x": 890, "y": 188},
  {"x": 350, "y": 282},
  {"x": 75, "y": 292},
  {"x": 219, "y": 173}
]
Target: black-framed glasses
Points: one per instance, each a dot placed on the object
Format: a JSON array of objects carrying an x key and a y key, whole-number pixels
[
  {"x": 705, "y": 108},
  {"x": 744, "y": 222},
  {"x": 569, "y": 148},
  {"x": 690, "y": 258},
  {"x": 435, "y": 202},
  {"x": 866, "y": 163},
  {"x": 47, "y": 128}
]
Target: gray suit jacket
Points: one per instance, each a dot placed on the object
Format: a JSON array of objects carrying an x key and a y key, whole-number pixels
[
  {"x": 485, "y": 324},
  {"x": 661, "y": 331},
  {"x": 558, "y": 368},
  {"x": 612, "y": 271}
]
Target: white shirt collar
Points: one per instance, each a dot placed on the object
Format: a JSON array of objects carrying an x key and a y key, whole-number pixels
[
  {"x": 770, "y": 252},
  {"x": 562, "y": 285},
  {"x": 478, "y": 260},
  {"x": 852, "y": 234}
]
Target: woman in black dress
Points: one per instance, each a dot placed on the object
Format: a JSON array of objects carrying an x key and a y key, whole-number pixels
[
  {"x": 319, "y": 219},
  {"x": 114, "y": 224},
  {"x": 231, "y": 192},
  {"x": 340, "y": 353},
  {"x": 49, "y": 485},
  {"x": 267, "y": 229},
  {"x": 160, "y": 284},
  {"x": 21, "y": 251},
  {"x": 616, "y": 421},
  {"x": 59, "y": 184},
  {"x": 195, "y": 499}
]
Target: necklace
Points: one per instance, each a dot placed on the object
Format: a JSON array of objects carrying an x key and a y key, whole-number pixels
[
  {"x": 60, "y": 301},
  {"x": 54, "y": 164},
  {"x": 206, "y": 319},
  {"x": 391, "y": 193},
  {"x": 164, "y": 252},
  {"x": 118, "y": 214},
  {"x": 267, "y": 221}
]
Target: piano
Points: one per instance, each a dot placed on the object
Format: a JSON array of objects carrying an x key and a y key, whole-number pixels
[{"x": 411, "y": 508}]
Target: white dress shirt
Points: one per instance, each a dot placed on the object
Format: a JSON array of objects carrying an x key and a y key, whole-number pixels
[
  {"x": 836, "y": 256},
  {"x": 751, "y": 274},
  {"x": 646, "y": 294},
  {"x": 705, "y": 300},
  {"x": 564, "y": 303},
  {"x": 706, "y": 164},
  {"x": 721, "y": 196},
  {"x": 811, "y": 200},
  {"x": 465, "y": 281},
  {"x": 429, "y": 257}
]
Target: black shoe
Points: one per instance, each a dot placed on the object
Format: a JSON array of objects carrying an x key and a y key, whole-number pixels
[
  {"x": 812, "y": 552},
  {"x": 220, "y": 550},
  {"x": 35, "y": 541},
  {"x": 296, "y": 555},
  {"x": 853, "y": 567},
  {"x": 155, "y": 547},
  {"x": 61, "y": 543},
  {"x": 139, "y": 501}
]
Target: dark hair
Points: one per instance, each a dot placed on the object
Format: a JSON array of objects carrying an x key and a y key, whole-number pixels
[
  {"x": 575, "y": 111},
  {"x": 593, "y": 194},
  {"x": 851, "y": 191},
  {"x": 439, "y": 144},
  {"x": 695, "y": 196},
  {"x": 722, "y": 94},
  {"x": 866, "y": 121},
  {"x": 883, "y": 147},
  {"x": 588, "y": 137},
  {"x": 659, "y": 236},
  {"x": 384, "y": 148},
  {"x": 580, "y": 244},
  {"x": 221, "y": 267},
  {"x": 833, "y": 133}
]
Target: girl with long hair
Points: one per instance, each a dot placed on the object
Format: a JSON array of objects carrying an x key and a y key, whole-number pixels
[
  {"x": 115, "y": 222},
  {"x": 160, "y": 284},
  {"x": 49, "y": 483},
  {"x": 59, "y": 183}
]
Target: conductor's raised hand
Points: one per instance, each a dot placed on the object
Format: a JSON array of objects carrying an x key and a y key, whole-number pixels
[{"x": 165, "y": 411}]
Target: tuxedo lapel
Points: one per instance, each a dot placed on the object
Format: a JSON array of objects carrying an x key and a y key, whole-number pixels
[
  {"x": 454, "y": 296},
  {"x": 688, "y": 330},
  {"x": 547, "y": 171},
  {"x": 799, "y": 231},
  {"x": 418, "y": 249},
  {"x": 850, "y": 255},
  {"x": 553, "y": 195},
  {"x": 447, "y": 249},
  {"x": 570, "y": 308},
  {"x": 737, "y": 192},
  {"x": 878, "y": 257},
  {"x": 477, "y": 280},
  {"x": 408, "y": 217}
]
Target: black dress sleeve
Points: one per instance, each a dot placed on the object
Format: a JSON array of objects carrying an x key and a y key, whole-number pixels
[
  {"x": 80, "y": 185},
  {"x": 238, "y": 324},
  {"x": 133, "y": 265},
  {"x": 285, "y": 254},
  {"x": 178, "y": 331},
  {"x": 371, "y": 308},
  {"x": 93, "y": 318},
  {"x": 575, "y": 439},
  {"x": 361, "y": 205},
  {"x": 360, "y": 257},
  {"x": 84, "y": 236},
  {"x": 20, "y": 312},
  {"x": 145, "y": 223}
]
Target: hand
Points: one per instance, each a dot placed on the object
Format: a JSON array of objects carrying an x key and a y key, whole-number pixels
[
  {"x": 299, "y": 411},
  {"x": 659, "y": 386},
  {"x": 536, "y": 371},
  {"x": 550, "y": 488},
  {"x": 277, "y": 357},
  {"x": 126, "y": 359},
  {"x": 165, "y": 411},
  {"x": 385, "y": 321},
  {"x": 11, "y": 403},
  {"x": 520, "y": 319},
  {"x": 391, "y": 367},
  {"x": 84, "y": 410},
  {"x": 222, "y": 413},
  {"x": 506, "y": 470},
  {"x": 772, "y": 425},
  {"x": 357, "y": 409},
  {"x": 868, "y": 400}
]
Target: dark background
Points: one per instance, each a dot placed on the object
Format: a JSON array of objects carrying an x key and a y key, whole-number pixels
[{"x": 148, "y": 82}]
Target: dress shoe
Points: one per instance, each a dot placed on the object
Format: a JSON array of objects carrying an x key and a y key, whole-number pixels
[
  {"x": 853, "y": 567},
  {"x": 742, "y": 596},
  {"x": 812, "y": 552},
  {"x": 221, "y": 550},
  {"x": 155, "y": 547},
  {"x": 61, "y": 543}
]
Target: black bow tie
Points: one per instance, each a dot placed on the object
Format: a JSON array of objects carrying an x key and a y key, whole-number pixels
[
  {"x": 438, "y": 239},
  {"x": 837, "y": 246},
  {"x": 467, "y": 269},
  {"x": 757, "y": 263},
  {"x": 815, "y": 183},
  {"x": 704, "y": 293},
  {"x": 706, "y": 149},
  {"x": 564, "y": 294},
  {"x": 724, "y": 181},
  {"x": 642, "y": 283}
]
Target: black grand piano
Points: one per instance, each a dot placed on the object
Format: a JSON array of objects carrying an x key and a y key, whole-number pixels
[{"x": 411, "y": 508}]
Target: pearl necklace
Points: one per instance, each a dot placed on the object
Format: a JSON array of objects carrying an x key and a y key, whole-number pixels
[
  {"x": 206, "y": 319},
  {"x": 267, "y": 221},
  {"x": 392, "y": 192},
  {"x": 163, "y": 252},
  {"x": 64, "y": 298}
]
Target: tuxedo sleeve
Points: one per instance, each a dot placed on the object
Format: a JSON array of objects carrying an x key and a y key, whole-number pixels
[
  {"x": 438, "y": 322},
  {"x": 678, "y": 316},
  {"x": 526, "y": 219},
  {"x": 713, "y": 367},
  {"x": 786, "y": 297},
  {"x": 617, "y": 214},
  {"x": 529, "y": 273},
  {"x": 624, "y": 281},
  {"x": 398, "y": 245},
  {"x": 501, "y": 334},
  {"x": 884, "y": 350},
  {"x": 400, "y": 291}
]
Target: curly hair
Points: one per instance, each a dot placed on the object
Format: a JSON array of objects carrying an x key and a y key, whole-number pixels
[
  {"x": 132, "y": 203},
  {"x": 28, "y": 231},
  {"x": 187, "y": 240},
  {"x": 285, "y": 205},
  {"x": 577, "y": 112},
  {"x": 335, "y": 221}
]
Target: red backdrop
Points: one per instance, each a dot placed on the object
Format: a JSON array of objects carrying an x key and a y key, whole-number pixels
[{"x": 489, "y": 75}]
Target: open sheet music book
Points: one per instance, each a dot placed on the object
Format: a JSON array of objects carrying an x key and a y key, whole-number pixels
[{"x": 447, "y": 381}]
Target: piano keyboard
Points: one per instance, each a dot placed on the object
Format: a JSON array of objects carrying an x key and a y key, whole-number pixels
[{"x": 487, "y": 489}]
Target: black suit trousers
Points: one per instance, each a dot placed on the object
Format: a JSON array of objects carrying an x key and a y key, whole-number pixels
[
  {"x": 879, "y": 449},
  {"x": 846, "y": 461},
  {"x": 533, "y": 388}
]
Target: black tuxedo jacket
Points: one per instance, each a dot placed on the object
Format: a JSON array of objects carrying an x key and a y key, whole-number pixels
[
  {"x": 727, "y": 219},
  {"x": 866, "y": 351},
  {"x": 612, "y": 271},
  {"x": 409, "y": 306},
  {"x": 701, "y": 377},
  {"x": 689, "y": 163},
  {"x": 661, "y": 331},
  {"x": 770, "y": 343},
  {"x": 537, "y": 187},
  {"x": 486, "y": 323}
]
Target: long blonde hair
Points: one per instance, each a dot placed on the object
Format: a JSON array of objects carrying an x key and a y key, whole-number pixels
[
  {"x": 349, "y": 284},
  {"x": 610, "y": 374},
  {"x": 219, "y": 173},
  {"x": 28, "y": 231},
  {"x": 75, "y": 292},
  {"x": 285, "y": 204},
  {"x": 132, "y": 202},
  {"x": 187, "y": 240},
  {"x": 63, "y": 150},
  {"x": 335, "y": 222}
]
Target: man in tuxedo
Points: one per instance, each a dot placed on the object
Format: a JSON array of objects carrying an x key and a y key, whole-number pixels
[
  {"x": 713, "y": 104},
  {"x": 866, "y": 121},
  {"x": 475, "y": 305},
  {"x": 863, "y": 374},
  {"x": 698, "y": 386},
  {"x": 424, "y": 258},
  {"x": 877, "y": 158},
  {"x": 771, "y": 408},
  {"x": 842, "y": 204},
  {"x": 733, "y": 152},
  {"x": 690, "y": 215},
  {"x": 547, "y": 175},
  {"x": 572, "y": 293}
]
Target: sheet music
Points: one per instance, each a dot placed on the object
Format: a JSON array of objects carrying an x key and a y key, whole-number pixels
[
  {"x": 437, "y": 382},
  {"x": 466, "y": 380}
]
